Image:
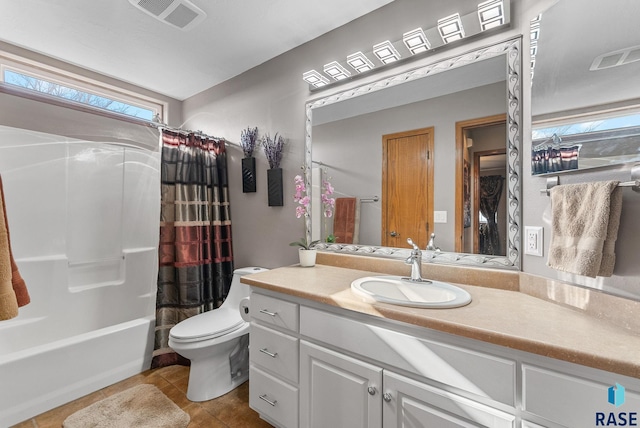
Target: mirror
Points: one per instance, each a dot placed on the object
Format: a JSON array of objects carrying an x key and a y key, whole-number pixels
[
  {"x": 585, "y": 108},
  {"x": 348, "y": 130}
]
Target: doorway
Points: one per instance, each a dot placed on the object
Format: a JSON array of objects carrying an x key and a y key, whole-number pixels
[
  {"x": 486, "y": 136},
  {"x": 407, "y": 187}
]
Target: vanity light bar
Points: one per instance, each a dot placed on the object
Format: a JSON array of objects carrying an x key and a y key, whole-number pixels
[
  {"x": 416, "y": 41},
  {"x": 335, "y": 70},
  {"x": 450, "y": 28},
  {"x": 359, "y": 62},
  {"x": 386, "y": 52},
  {"x": 491, "y": 14},
  {"x": 314, "y": 78}
]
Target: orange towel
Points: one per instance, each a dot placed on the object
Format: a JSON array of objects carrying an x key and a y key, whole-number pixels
[
  {"x": 13, "y": 290},
  {"x": 345, "y": 220}
]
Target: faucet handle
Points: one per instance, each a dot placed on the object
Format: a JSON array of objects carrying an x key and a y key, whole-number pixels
[{"x": 415, "y": 247}]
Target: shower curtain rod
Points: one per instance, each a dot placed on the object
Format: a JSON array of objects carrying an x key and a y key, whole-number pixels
[{"x": 156, "y": 123}]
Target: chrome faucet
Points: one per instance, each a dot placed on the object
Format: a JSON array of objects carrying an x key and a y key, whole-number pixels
[
  {"x": 415, "y": 260},
  {"x": 431, "y": 246}
]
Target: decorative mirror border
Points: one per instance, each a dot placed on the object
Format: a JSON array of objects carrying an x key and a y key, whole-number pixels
[{"x": 512, "y": 49}]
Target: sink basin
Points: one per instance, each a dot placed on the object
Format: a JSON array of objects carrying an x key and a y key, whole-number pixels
[{"x": 398, "y": 290}]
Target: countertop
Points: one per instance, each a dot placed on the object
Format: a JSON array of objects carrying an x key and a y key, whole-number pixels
[{"x": 508, "y": 318}]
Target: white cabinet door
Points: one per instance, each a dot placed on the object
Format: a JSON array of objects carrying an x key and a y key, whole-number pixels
[
  {"x": 412, "y": 404},
  {"x": 337, "y": 390}
]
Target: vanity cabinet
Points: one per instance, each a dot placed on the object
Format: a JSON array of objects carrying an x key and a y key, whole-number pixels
[
  {"x": 315, "y": 365},
  {"x": 337, "y": 390},
  {"x": 274, "y": 360}
]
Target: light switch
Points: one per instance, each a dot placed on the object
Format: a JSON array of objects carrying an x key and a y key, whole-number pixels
[{"x": 439, "y": 216}]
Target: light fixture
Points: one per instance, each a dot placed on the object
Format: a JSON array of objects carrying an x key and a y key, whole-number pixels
[
  {"x": 535, "y": 28},
  {"x": 491, "y": 14},
  {"x": 386, "y": 52},
  {"x": 335, "y": 70},
  {"x": 416, "y": 41},
  {"x": 314, "y": 78},
  {"x": 450, "y": 28},
  {"x": 359, "y": 62}
]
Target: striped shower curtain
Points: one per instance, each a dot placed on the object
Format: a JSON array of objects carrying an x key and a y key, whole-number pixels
[{"x": 195, "y": 251}]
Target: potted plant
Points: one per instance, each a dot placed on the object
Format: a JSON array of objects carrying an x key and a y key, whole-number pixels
[
  {"x": 248, "y": 142},
  {"x": 273, "y": 151},
  {"x": 306, "y": 252}
]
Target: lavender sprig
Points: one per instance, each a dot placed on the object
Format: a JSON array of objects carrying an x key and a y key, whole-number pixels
[
  {"x": 273, "y": 149},
  {"x": 248, "y": 139}
]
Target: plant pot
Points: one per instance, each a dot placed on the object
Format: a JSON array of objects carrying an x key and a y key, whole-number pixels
[
  {"x": 249, "y": 175},
  {"x": 274, "y": 187},
  {"x": 307, "y": 257}
]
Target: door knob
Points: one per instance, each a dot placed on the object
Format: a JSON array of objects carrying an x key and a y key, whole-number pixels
[
  {"x": 372, "y": 390},
  {"x": 394, "y": 233},
  {"x": 386, "y": 397}
]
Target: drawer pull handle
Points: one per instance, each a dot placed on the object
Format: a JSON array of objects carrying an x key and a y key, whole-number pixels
[
  {"x": 266, "y": 351},
  {"x": 266, "y": 312},
  {"x": 264, "y": 398},
  {"x": 371, "y": 390},
  {"x": 386, "y": 397}
]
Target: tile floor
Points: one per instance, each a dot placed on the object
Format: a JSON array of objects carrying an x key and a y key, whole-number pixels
[{"x": 229, "y": 411}]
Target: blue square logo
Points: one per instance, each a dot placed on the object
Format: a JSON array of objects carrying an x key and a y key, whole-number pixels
[{"x": 616, "y": 395}]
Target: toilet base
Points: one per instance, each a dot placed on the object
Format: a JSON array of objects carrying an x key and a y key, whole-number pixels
[{"x": 210, "y": 378}]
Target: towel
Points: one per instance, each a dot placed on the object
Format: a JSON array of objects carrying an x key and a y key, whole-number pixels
[
  {"x": 346, "y": 220},
  {"x": 584, "y": 229},
  {"x": 13, "y": 290}
]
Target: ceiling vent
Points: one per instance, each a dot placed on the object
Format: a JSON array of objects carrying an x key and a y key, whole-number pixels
[
  {"x": 179, "y": 13},
  {"x": 616, "y": 58}
]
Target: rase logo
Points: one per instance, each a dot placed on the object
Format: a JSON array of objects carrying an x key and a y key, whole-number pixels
[{"x": 615, "y": 397}]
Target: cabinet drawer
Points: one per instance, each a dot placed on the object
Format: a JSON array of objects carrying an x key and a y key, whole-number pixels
[
  {"x": 274, "y": 399},
  {"x": 570, "y": 400},
  {"x": 275, "y": 351},
  {"x": 407, "y": 401},
  {"x": 275, "y": 312},
  {"x": 482, "y": 374}
]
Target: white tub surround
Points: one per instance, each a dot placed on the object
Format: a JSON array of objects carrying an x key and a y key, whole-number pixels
[{"x": 84, "y": 232}]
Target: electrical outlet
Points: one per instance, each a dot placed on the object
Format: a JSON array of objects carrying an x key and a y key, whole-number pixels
[{"x": 534, "y": 242}]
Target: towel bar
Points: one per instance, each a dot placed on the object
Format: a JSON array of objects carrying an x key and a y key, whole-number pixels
[
  {"x": 374, "y": 199},
  {"x": 634, "y": 183}
]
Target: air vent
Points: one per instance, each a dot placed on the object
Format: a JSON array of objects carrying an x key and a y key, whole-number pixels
[
  {"x": 616, "y": 58},
  {"x": 181, "y": 14}
]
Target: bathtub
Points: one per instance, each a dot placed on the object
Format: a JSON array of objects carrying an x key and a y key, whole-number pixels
[{"x": 84, "y": 233}]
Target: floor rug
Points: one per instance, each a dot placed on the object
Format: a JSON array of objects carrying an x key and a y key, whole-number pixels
[{"x": 139, "y": 407}]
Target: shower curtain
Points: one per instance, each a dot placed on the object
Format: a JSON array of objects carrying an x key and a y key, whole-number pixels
[
  {"x": 195, "y": 251},
  {"x": 490, "y": 193}
]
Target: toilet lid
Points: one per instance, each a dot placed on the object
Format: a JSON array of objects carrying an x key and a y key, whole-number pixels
[{"x": 207, "y": 325}]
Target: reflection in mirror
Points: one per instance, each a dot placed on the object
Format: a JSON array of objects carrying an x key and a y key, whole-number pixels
[
  {"x": 394, "y": 143},
  {"x": 586, "y": 112}
]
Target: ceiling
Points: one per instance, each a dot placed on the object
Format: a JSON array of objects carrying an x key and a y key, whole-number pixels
[{"x": 115, "y": 38}]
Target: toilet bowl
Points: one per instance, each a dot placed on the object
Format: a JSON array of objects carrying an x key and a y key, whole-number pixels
[{"x": 217, "y": 343}]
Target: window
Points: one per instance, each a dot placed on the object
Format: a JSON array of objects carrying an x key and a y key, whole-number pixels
[{"x": 77, "y": 91}]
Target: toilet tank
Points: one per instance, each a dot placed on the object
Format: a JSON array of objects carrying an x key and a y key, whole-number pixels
[{"x": 238, "y": 290}]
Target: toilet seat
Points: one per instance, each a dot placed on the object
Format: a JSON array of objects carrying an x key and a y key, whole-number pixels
[{"x": 207, "y": 325}]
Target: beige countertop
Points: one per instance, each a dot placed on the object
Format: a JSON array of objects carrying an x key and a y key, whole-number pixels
[{"x": 499, "y": 316}]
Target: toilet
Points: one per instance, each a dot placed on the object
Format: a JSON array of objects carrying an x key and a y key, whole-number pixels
[{"x": 217, "y": 343}]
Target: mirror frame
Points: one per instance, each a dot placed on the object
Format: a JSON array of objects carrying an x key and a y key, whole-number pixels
[{"x": 512, "y": 51}]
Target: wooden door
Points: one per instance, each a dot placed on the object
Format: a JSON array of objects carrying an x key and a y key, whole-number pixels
[{"x": 407, "y": 187}]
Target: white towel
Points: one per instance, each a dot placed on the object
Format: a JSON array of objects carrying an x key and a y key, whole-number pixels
[{"x": 584, "y": 229}]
